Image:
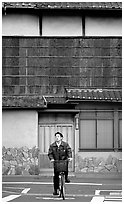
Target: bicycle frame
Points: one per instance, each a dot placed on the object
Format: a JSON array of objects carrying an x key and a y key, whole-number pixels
[
  {"x": 62, "y": 185},
  {"x": 61, "y": 166}
]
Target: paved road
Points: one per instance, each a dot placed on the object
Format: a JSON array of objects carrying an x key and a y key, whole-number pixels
[{"x": 79, "y": 190}]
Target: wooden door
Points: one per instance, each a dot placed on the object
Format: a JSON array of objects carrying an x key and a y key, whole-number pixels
[{"x": 47, "y": 136}]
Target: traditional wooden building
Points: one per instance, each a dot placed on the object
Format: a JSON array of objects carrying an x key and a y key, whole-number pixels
[{"x": 62, "y": 71}]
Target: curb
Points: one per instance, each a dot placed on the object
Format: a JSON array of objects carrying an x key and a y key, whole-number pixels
[
  {"x": 99, "y": 175},
  {"x": 73, "y": 175}
]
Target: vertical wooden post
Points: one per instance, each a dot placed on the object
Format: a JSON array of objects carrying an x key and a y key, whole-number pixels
[
  {"x": 26, "y": 90},
  {"x": 115, "y": 142}
]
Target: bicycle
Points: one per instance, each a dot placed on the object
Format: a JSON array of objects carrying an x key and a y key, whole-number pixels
[{"x": 60, "y": 167}]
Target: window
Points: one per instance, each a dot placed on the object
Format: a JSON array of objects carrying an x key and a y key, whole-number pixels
[
  {"x": 103, "y": 25},
  {"x": 97, "y": 130},
  {"x": 88, "y": 133},
  {"x": 66, "y": 23},
  {"x": 104, "y": 134},
  {"x": 20, "y": 24},
  {"x": 61, "y": 25},
  {"x": 80, "y": 24}
]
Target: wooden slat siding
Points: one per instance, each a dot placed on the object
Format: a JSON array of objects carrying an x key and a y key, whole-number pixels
[
  {"x": 47, "y": 135},
  {"x": 55, "y": 63}
]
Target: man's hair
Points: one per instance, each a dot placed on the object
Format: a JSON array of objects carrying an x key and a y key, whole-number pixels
[{"x": 61, "y": 135}]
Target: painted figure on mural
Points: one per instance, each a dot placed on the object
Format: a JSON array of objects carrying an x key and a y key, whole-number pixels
[{"x": 59, "y": 150}]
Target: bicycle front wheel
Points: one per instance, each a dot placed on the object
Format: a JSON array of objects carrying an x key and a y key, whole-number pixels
[{"x": 63, "y": 187}]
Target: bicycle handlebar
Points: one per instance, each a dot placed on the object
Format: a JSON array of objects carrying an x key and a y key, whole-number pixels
[{"x": 60, "y": 160}]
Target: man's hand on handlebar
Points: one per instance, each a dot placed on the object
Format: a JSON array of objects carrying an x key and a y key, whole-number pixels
[
  {"x": 69, "y": 159},
  {"x": 52, "y": 160}
]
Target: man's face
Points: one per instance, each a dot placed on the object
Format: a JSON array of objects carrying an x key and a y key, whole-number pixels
[{"x": 58, "y": 138}]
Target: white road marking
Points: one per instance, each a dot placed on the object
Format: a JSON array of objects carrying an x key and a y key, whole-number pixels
[
  {"x": 25, "y": 190},
  {"x": 67, "y": 195},
  {"x": 89, "y": 184},
  {"x": 97, "y": 192},
  {"x": 50, "y": 183},
  {"x": 97, "y": 199},
  {"x": 23, "y": 182},
  {"x": 111, "y": 190},
  {"x": 10, "y": 197},
  {"x": 113, "y": 198},
  {"x": 111, "y": 202},
  {"x": 116, "y": 193},
  {"x": 48, "y": 198}
]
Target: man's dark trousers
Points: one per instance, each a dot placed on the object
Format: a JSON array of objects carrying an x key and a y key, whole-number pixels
[{"x": 56, "y": 179}]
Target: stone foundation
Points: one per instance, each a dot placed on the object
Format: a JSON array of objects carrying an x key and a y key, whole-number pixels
[
  {"x": 98, "y": 165},
  {"x": 20, "y": 161},
  {"x": 24, "y": 161}
]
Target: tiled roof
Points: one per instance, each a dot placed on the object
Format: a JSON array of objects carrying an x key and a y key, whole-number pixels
[
  {"x": 64, "y": 5},
  {"x": 112, "y": 95},
  {"x": 24, "y": 102},
  {"x": 55, "y": 99}
]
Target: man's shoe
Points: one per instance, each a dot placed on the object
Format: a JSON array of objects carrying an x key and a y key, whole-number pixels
[
  {"x": 67, "y": 180},
  {"x": 55, "y": 192}
]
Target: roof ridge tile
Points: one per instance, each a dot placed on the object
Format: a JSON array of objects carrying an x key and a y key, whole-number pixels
[{"x": 63, "y": 5}]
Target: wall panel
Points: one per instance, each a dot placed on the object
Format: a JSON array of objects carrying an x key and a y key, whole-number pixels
[{"x": 47, "y": 65}]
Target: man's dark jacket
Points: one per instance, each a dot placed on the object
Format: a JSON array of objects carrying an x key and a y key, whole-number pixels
[{"x": 59, "y": 153}]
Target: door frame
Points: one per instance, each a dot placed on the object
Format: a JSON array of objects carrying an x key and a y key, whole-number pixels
[{"x": 73, "y": 140}]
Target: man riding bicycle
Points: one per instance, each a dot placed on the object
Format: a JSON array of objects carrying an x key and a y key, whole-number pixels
[{"x": 59, "y": 150}]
